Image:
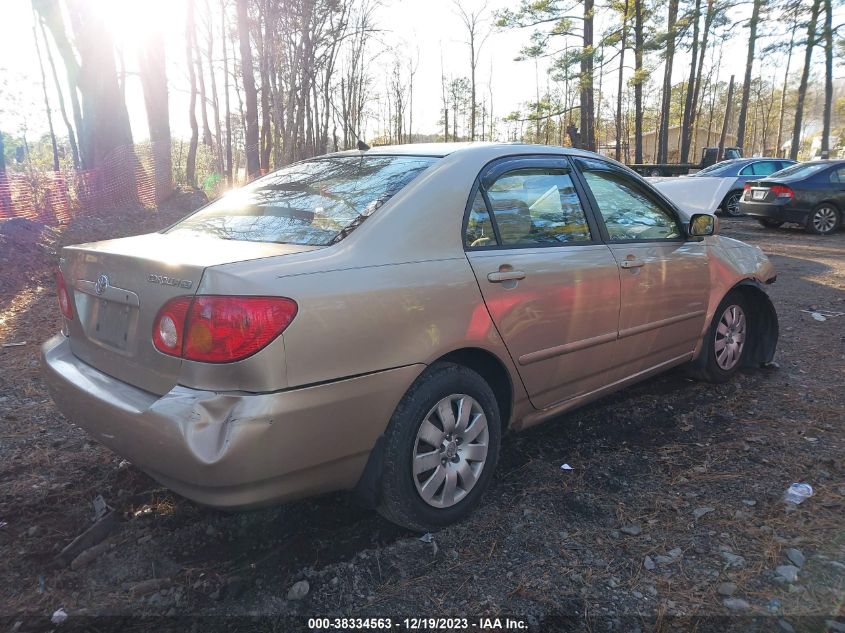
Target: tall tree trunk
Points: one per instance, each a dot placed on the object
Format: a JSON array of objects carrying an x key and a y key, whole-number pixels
[
  {"x": 206, "y": 129},
  {"x": 805, "y": 76},
  {"x": 5, "y": 193},
  {"x": 51, "y": 15},
  {"x": 666, "y": 96},
  {"x": 778, "y": 149},
  {"x": 151, "y": 65},
  {"x": 827, "y": 35},
  {"x": 264, "y": 71},
  {"x": 94, "y": 74},
  {"x": 689, "y": 107},
  {"x": 749, "y": 64},
  {"x": 253, "y": 165},
  {"x": 639, "y": 44},
  {"x": 47, "y": 109},
  {"x": 71, "y": 135},
  {"x": 226, "y": 95},
  {"x": 215, "y": 102},
  {"x": 623, "y": 44},
  {"x": 191, "y": 162},
  {"x": 102, "y": 102},
  {"x": 588, "y": 133},
  {"x": 726, "y": 121}
]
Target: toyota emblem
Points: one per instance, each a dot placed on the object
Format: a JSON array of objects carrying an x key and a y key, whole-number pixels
[{"x": 102, "y": 284}]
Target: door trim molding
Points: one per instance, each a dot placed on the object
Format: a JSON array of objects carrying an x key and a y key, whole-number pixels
[
  {"x": 560, "y": 350},
  {"x": 639, "y": 329}
]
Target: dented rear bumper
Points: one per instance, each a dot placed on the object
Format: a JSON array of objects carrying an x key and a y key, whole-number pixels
[{"x": 232, "y": 449}]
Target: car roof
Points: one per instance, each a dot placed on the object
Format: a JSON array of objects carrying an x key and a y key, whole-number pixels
[{"x": 445, "y": 149}]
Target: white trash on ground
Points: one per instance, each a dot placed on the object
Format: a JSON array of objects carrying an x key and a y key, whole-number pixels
[{"x": 797, "y": 493}]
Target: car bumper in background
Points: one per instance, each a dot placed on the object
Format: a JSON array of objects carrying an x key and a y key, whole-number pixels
[
  {"x": 773, "y": 211},
  {"x": 232, "y": 449}
]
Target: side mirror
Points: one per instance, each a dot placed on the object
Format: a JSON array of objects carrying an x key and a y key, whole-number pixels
[{"x": 702, "y": 224}]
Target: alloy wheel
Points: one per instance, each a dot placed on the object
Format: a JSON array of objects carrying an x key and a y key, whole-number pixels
[
  {"x": 450, "y": 450},
  {"x": 732, "y": 204},
  {"x": 824, "y": 219},
  {"x": 730, "y": 337}
]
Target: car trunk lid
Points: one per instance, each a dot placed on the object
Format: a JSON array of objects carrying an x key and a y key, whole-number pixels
[{"x": 118, "y": 287}]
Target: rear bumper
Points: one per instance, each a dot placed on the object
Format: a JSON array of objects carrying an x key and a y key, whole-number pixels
[
  {"x": 773, "y": 211},
  {"x": 232, "y": 449}
]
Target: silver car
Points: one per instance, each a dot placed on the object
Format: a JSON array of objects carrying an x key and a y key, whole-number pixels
[
  {"x": 742, "y": 170},
  {"x": 377, "y": 320}
]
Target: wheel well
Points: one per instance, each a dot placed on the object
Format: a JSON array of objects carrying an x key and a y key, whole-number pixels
[
  {"x": 764, "y": 321},
  {"x": 828, "y": 202},
  {"x": 489, "y": 367}
]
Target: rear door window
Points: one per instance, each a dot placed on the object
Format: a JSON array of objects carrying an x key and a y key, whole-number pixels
[
  {"x": 837, "y": 176},
  {"x": 315, "y": 202}
]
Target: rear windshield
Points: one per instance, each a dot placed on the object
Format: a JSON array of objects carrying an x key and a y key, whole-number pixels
[
  {"x": 800, "y": 170},
  {"x": 712, "y": 170},
  {"x": 315, "y": 202}
]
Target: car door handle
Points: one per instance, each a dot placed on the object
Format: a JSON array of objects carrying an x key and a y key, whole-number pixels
[
  {"x": 505, "y": 275},
  {"x": 632, "y": 263}
]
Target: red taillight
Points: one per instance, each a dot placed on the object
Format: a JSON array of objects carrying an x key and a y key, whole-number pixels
[
  {"x": 65, "y": 304},
  {"x": 746, "y": 187},
  {"x": 169, "y": 326},
  {"x": 782, "y": 192},
  {"x": 218, "y": 329}
]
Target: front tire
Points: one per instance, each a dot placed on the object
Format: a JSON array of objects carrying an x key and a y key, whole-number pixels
[
  {"x": 769, "y": 224},
  {"x": 824, "y": 220},
  {"x": 441, "y": 448},
  {"x": 726, "y": 342},
  {"x": 730, "y": 205}
]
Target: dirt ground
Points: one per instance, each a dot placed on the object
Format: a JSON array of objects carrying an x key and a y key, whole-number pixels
[{"x": 670, "y": 519}]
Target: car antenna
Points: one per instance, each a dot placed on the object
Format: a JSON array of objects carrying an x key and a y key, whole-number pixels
[{"x": 361, "y": 145}]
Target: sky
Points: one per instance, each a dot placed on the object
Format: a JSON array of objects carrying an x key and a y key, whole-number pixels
[{"x": 425, "y": 29}]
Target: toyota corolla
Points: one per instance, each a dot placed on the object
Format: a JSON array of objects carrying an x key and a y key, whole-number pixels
[{"x": 377, "y": 320}]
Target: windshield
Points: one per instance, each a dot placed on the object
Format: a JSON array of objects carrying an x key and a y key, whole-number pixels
[
  {"x": 313, "y": 203},
  {"x": 714, "y": 169}
]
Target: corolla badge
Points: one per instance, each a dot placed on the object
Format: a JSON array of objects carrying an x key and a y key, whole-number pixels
[
  {"x": 102, "y": 284},
  {"x": 164, "y": 280}
]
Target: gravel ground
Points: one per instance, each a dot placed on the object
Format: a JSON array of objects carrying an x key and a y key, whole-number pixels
[{"x": 671, "y": 517}]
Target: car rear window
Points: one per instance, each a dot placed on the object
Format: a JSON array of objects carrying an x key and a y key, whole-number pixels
[
  {"x": 800, "y": 170},
  {"x": 315, "y": 202}
]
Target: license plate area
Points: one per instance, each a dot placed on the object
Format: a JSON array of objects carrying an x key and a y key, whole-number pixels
[
  {"x": 758, "y": 194},
  {"x": 111, "y": 323}
]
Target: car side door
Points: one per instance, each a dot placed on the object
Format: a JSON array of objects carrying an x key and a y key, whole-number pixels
[
  {"x": 665, "y": 278},
  {"x": 549, "y": 284}
]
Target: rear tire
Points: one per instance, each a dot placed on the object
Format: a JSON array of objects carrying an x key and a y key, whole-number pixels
[
  {"x": 730, "y": 205},
  {"x": 769, "y": 224},
  {"x": 437, "y": 467},
  {"x": 824, "y": 220},
  {"x": 726, "y": 342}
]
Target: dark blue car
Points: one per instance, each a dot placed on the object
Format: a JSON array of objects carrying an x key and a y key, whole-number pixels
[
  {"x": 743, "y": 169},
  {"x": 811, "y": 194}
]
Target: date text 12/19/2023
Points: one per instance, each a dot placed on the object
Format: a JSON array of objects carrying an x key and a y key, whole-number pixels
[{"x": 418, "y": 624}]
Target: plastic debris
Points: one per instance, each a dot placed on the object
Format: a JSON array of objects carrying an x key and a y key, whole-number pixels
[
  {"x": 566, "y": 467},
  {"x": 59, "y": 616},
  {"x": 100, "y": 507},
  {"x": 823, "y": 315},
  {"x": 21, "y": 344},
  {"x": 797, "y": 493},
  {"x": 428, "y": 537}
]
